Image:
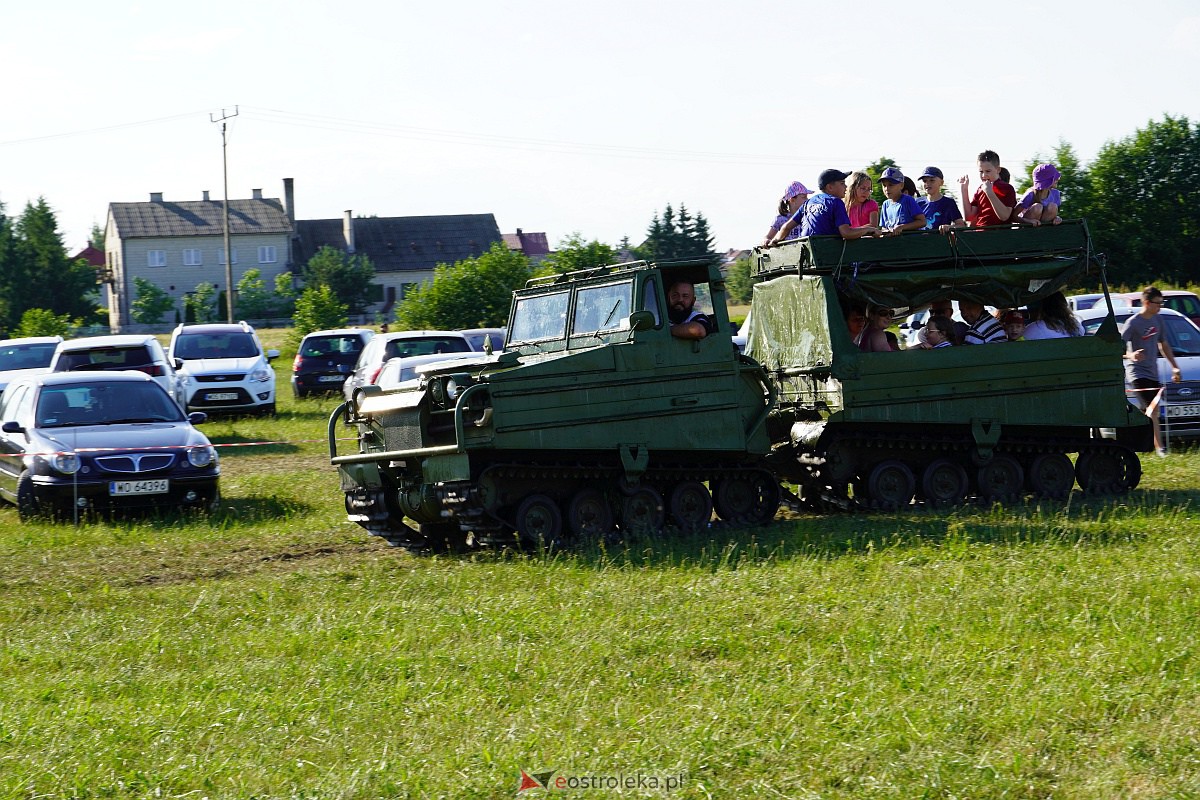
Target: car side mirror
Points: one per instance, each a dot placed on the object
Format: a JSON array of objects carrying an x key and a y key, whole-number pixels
[
  {"x": 178, "y": 364},
  {"x": 272, "y": 355},
  {"x": 641, "y": 321},
  {"x": 12, "y": 426},
  {"x": 197, "y": 417}
]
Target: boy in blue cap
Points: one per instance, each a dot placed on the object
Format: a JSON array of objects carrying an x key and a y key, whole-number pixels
[
  {"x": 899, "y": 212},
  {"x": 941, "y": 212}
]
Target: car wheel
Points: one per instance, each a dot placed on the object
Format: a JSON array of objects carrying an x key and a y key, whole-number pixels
[
  {"x": 214, "y": 503},
  {"x": 28, "y": 505},
  {"x": 268, "y": 410}
]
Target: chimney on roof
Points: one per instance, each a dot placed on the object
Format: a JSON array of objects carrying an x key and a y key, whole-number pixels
[
  {"x": 348, "y": 230},
  {"x": 156, "y": 197},
  {"x": 257, "y": 193},
  {"x": 206, "y": 195},
  {"x": 518, "y": 231},
  {"x": 289, "y": 201}
]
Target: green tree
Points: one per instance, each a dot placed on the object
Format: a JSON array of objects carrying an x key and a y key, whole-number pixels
[
  {"x": 472, "y": 293},
  {"x": 201, "y": 304},
  {"x": 285, "y": 294},
  {"x": 677, "y": 235},
  {"x": 1144, "y": 208},
  {"x": 739, "y": 287},
  {"x": 36, "y": 272},
  {"x": 317, "y": 308},
  {"x": 96, "y": 237},
  {"x": 254, "y": 300},
  {"x": 349, "y": 276},
  {"x": 876, "y": 169},
  {"x": 43, "y": 322},
  {"x": 574, "y": 254},
  {"x": 150, "y": 303}
]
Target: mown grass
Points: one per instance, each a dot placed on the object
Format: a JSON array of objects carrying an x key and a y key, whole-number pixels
[{"x": 275, "y": 650}]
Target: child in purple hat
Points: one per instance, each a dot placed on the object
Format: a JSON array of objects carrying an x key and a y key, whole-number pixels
[
  {"x": 1040, "y": 204},
  {"x": 795, "y": 196}
]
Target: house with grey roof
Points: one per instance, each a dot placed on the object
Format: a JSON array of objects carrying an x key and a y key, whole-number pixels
[
  {"x": 403, "y": 250},
  {"x": 177, "y": 245}
]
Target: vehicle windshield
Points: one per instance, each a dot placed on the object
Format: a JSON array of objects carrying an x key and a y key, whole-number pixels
[
  {"x": 1183, "y": 336},
  {"x": 602, "y": 308},
  {"x": 215, "y": 345},
  {"x": 104, "y": 358},
  {"x": 425, "y": 346},
  {"x": 66, "y": 405},
  {"x": 27, "y": 356},
  {"x": 539, "y": 317},
  {"x": 318, "y": 346}
]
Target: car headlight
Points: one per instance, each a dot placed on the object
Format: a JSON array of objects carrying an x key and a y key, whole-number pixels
[
  {"x": 66, "y": 463},
  {"x": 202, "y": 456},
  {"x": 452, "y": 390},
  {"x": 261, "y": 374}
]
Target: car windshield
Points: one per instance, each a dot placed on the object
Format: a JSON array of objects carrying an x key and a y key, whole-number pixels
[
  {"x": 425, "y": 345},
  {"x": 27, "y": 356},
  {"x": 103, "y": 358},
  {"x": 215, "y": 345},
  {"x": 1184, "y": 336},
  {"x": 100, "y": 403},
  {"x": 539, "y": 317},
  {"x": 317, "y": 346}
]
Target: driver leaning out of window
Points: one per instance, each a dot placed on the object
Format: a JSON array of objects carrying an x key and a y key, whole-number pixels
[{"x": 686, "y": 322}]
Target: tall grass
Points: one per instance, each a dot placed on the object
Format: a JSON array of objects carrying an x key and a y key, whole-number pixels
[{"x": 275, "y": 650}]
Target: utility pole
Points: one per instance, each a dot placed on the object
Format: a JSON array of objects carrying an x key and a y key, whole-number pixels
[{"x": 225, "y": 175}]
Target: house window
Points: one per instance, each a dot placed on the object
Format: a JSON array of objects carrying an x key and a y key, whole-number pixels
[
  {"x": 191, "y": 257},
  {"x": 266, "y": 254},
  {"x": 156, "y": 258},
  {"x": 221, "y": 255}
]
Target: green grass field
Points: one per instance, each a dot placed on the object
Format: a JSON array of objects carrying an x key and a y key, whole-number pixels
[{"x": 275, "y": 650}]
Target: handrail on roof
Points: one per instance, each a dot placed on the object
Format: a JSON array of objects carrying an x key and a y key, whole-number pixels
[{"x": 627, "y": 266}]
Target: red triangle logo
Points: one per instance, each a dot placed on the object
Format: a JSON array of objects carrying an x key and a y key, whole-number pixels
[{"x": 528, "y": 783}]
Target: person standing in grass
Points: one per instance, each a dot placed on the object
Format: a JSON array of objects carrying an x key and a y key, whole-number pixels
[{"x": 1144, "y": 340}]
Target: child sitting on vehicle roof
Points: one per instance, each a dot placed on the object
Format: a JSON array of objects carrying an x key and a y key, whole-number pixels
[
  {"x": 995, "y": 201},
  {"x": 794, "y": 196},
  {"x": 900, "y": 211},
  {"x": 1040, "y": 204}
]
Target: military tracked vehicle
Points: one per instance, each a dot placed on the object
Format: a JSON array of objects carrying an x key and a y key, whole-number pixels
[
  {"x": 994, "y": 421},
  {"x": 594, "y": 418}
]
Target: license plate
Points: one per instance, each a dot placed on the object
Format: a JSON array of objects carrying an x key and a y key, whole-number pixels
[
  {"x": 1184, "y": 411},
  {"x": 221, "y": 396},
  {"x": 118, "y": 488},
  {"x": 331, "y": 378}
]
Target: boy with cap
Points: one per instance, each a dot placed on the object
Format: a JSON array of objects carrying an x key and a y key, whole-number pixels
[
  {"x": 1040, "y": 204},
  {"x": 995, "y": 201},
  {"x": 941, "y": 212},
  {"x": 900, "y": 212},
  {"x": 825, "y": 212}
]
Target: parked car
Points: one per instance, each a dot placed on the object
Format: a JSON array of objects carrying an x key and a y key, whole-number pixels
[
  {"x": 476, "y": 337},
  {"x": 406, "y": 372},
  {"x": 1185, "y": 303},
  {"x": 325, "y": 358},
  {"x": 401, "y": 344},
  {"x": 140, "y": 352},
  {"x": 223, "y": 368},
  {"x": 83, "y": 441},
  {"x": 29, "y": 356},
  {"x": 1180, "y": 407}
]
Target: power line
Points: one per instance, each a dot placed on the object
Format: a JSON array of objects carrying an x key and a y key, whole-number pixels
[{"x": 89, "y": 131}]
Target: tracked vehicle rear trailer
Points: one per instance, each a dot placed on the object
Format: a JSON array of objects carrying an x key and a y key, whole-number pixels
[
  {"x": 994, "y": 421},
  {"x": 594, "y": 418}
]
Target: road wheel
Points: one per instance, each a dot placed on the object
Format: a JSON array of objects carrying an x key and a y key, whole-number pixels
[
  {"x": 539, "y": 521},
  {"x": 944, "y": 483},
  {"x": 642, "y": 512},
  {"x": 1051, "y": 475},
  {"x": 1109, "y": 470},
  {"x": 589, "y": 514},
  {"x": 691, "y": 506},
  {"x": 751, "y": 498},
  {"x": 1001, "y": 480},
  {"x": 890, "y": 485},
  {"x": 28, "y": 505}
]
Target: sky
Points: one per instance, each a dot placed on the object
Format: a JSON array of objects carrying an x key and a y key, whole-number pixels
[{"x": 562, "y": 117}]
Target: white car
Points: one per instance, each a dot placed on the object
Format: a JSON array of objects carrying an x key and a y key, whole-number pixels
[
  {"x": 140, "y": 352},
  {"x": 28, "y": 356},
  {"x": 404, "y": 373},
  {"x": 223, "y": 369},
  {"x": 400, "y": 344}
]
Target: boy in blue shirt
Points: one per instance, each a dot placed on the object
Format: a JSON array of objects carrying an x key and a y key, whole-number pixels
[
  {"x": 941, "y": 212},
  {"x": 899, "y": 212}
]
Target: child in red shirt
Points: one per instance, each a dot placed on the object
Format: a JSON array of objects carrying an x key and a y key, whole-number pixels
[{"x": 995, "y": 200}]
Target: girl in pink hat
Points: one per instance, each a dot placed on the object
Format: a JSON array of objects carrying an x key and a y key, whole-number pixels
[
  {"x": 795, "y": 196},
  {"x": 1040, "y": 204}
]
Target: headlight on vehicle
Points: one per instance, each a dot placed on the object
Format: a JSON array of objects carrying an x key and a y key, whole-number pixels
[
  {"x": 455, "y": 385},
  {"x": 261, "y": 375},
  {"x": 452, "y": 390},
  {"x": 202, "y": 456},
  {"x": 437, "y": 389},
  {"x": 66, "y": 463}
]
